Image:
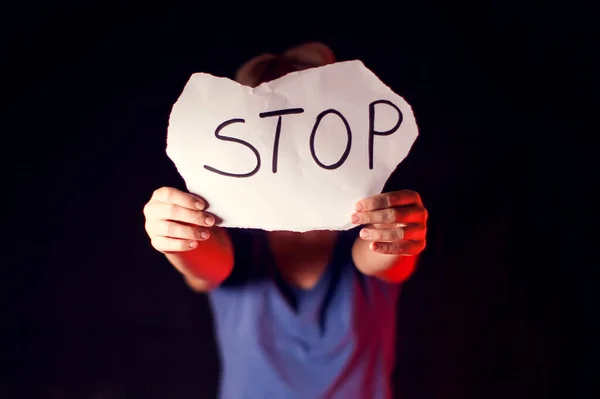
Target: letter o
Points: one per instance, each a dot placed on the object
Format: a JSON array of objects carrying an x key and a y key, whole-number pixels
[{"x": 313, "y": 135}]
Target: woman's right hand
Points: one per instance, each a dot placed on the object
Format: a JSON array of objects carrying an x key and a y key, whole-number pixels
[{"x": 176, "y": 221}]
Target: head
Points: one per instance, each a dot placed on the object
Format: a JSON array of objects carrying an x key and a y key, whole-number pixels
[{"x": 267, "y": 67}]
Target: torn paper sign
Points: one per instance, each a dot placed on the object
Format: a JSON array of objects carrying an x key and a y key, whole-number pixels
[{"x": 293, "y": 154}]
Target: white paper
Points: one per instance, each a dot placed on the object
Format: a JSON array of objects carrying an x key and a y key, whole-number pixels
[{"x": 301, "y": 195}]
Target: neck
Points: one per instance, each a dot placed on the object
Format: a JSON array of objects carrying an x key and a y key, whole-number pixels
[
  {"x": 302, "y": 257},
  {"x": 308, "y": 237}
]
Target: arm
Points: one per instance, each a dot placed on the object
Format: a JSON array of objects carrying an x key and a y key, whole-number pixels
[
  {"x": 393, "y": 237},
  {"x": 209, "y": 264},
  {"x": 181, "y": 229},
  {"x": 390, "y": 268}
]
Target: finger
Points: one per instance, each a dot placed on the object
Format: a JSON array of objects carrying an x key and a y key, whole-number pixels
[
  {"x": 167, "y": 228},
  {"x": 176, "y": 213},
  {"x": 388, "y": 200},
  {"x": 409, "y": 247},
  {"x": 167, "y": 244},
  {"x": 405, "y": 215},
  {"x": 170, "y": 195},
  {"x": 414, "y": 231}
]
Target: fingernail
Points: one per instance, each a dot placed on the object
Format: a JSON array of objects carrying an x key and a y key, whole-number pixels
[
  {"x": 374, "y": 246},
  {"x": 199, "y": 205},
  {"x": 209, "y": 220},
  {"x": 193, "y": 244},
  {"x": 204, "y": 235},
  {"x": 359, "y": 206},
  {"x": 364, "y": 234},
  {"x": 355, "y": 219}
]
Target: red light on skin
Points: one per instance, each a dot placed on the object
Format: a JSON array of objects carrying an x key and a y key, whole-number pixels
[{"x": 401, "y": 271}]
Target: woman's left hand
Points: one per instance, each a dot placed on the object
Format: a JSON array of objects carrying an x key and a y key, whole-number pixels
[{"x": 395, "y": 222}]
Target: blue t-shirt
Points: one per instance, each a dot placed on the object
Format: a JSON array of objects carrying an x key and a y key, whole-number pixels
[{"x": 276, "y": 341}]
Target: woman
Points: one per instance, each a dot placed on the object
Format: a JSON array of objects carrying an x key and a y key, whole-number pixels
[{"x": 297, "y": 315}]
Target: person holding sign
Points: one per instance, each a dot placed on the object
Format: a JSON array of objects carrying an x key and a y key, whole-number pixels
[{"x": 297, "y": 315}]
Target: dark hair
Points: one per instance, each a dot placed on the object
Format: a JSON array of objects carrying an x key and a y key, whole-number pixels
[{"x": 280, "y": 66}]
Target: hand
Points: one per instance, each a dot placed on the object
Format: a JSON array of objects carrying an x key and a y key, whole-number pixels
[
  {"x": 396, "y": 222},
  {"x": 176, "y": 221}
]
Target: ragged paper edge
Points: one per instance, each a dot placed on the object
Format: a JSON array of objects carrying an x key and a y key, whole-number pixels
[{"x": 291, "y": 75}]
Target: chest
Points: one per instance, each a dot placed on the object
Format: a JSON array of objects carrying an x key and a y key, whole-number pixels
[
  {"x": 303, "y": 353},
  {"x": 301, "y": 260}
]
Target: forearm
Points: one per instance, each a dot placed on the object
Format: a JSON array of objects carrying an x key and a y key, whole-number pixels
[
  {"x": 209, "y": 264},
  {"x": 391, "y": 268}
]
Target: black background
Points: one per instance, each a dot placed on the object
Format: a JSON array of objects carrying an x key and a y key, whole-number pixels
[{"x": 91, "y": 311}]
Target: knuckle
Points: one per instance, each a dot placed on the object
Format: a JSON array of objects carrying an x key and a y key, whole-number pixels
[
  {"x": 377, "y": 202},
  {"x": 172, "y": 210},
  {"x": 399, "y": 234},
  {"x": 148, "y": 228},
  {"x": 388, "y": 201},
  {"x": 393, "y": 198},
  {"x": 374, "y": 217},
  {"x": 158, "y": 192},
  {"x": 197, "y": 218},
  {"x": 412, "y": 194},
  {"x": 152, "y": 228},
  {"x": 150, "y": 224},
  {"x": 179, "y": 245},
  {"x": 393, "y": 215},
  {"x": 171, "y": 229},
  {"x": 365, "y": 217},
  {"x": 168, "y": 194},
  {"x": 156, "y": 245},
  {"x": 413, "y": 212},
  {"x": 418, "y": 197},
  {"x": 192, "y": 217}
]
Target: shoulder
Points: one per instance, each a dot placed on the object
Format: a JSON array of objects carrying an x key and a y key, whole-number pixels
[
  {"x": 343, "y": 263},
  {"x": 249, "y": 256},
  {"x": 374, "y": 288}
]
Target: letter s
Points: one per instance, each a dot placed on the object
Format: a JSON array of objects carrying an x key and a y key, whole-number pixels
[{"x": 235, "y": 140}]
